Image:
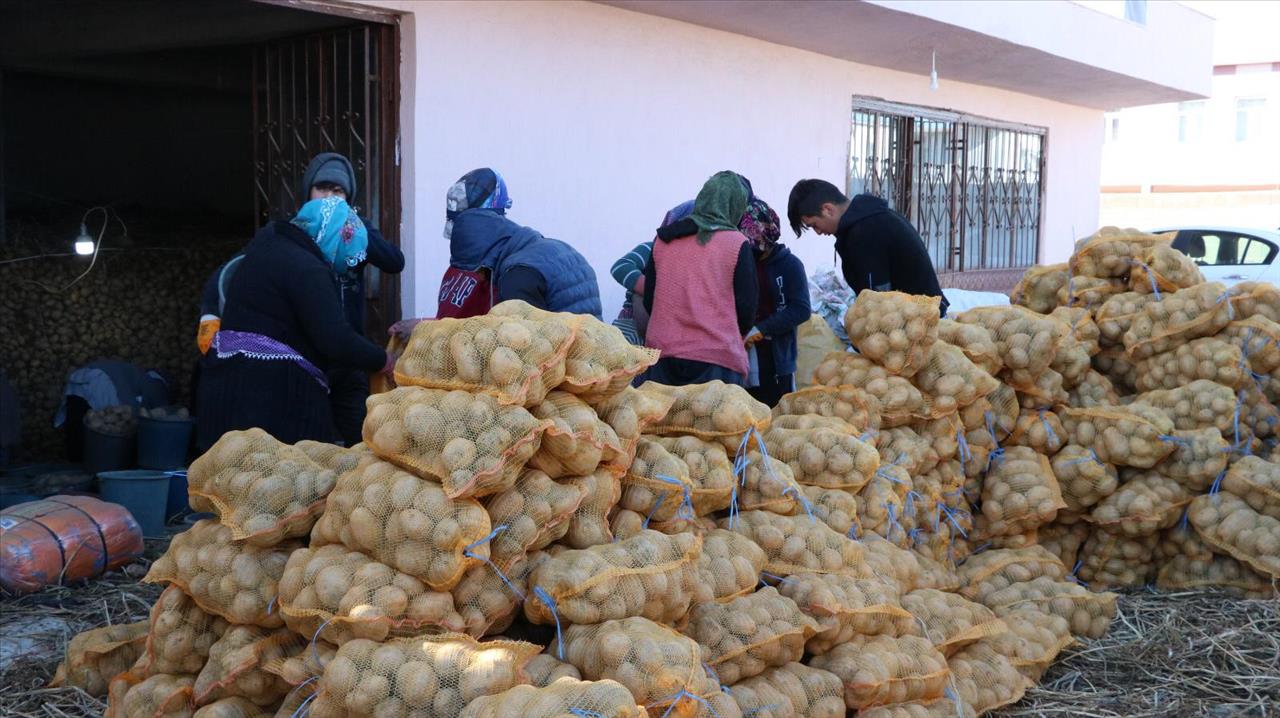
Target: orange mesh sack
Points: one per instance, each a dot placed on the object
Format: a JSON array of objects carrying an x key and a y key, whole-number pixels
[
  {"x": 894, "y": 329},
  {"x": 1033, "y": 640},
  {"x": 951, "y": 381},
  {"x": 900, "y": 401},
  {"x": 261, "y": 489},
  {"x": 1083, "y": 479},
  {"x": 96, "y": 656},
  {"x": 1189, "y": 564},
  {"x": 1063, "y": 540},
  {"x": 1253, "y": 299},
  {"x": 1257, "y": 482},
  {"x": 406, "y": 522},
  {"x": 1256, "y": 412},
  {"x": 489, "y": 597},
  {"x": 1093, "y": 390},
  {"x": 235, "y": 667},
  {"x": 576, "y": 440},
  {"x": 1161, "y": 268},
  {"x": 855, "y": 407},
  {"x": 235, "y": 581},
  {"x": 179, "y": 635},
  {"x": 990, "y": 571},
  {"x": 1228, "y": 524},
  {"x": 1110, "y": 560},
  {"x": 1020, "y": 492},
  {"x": 1197, "y": 405},
  {"x": 1144, "y": 504},
  {"x": 794, "y": 690},
  {"x": 935, "y": 573},
  {"x": 1120, "y": 435},
  {"x": 1118, "y": 368},
  {"x": 1258, "y": 339},
  {"x": 710, "y": 473},
  {"x": 161, "y": 695},
  {"x": 768, "y": 484},
  {"x": 798, "y": 544},
  {"x": 515, "y": 359},
  {"x": 535, "y": 512},
  {"x": 714, "y": 410},
  {"x": 811, "y": 421},
  {"x": 1088, "y": 613},
  {"x": 469, "y": 442},
  {"x": 632, "y": 412},
  {"x": 845, "y": 606},
  {"x": 1040, "y": 430},
  {"x": 302, "y": 661},
  {"x": 589, "y": 524},
  {"x": 337, "y": 594},
  {"x": 1110, "y": 252},
  {"x": 427, "y": 676},
  {"x": 742, "y": 637},
  {"x": 1177, "y": 318},
  {"x": 902, "y": 446},
  {"x": 1207, "y": 358},
  {"x": 235, "y": 707},
  {"x": 974, "y": 341},
  {"x": 649, "y": 575},
  {"x": 1116, "y": 315},
  {"x": 657, "y": 485},
  {"x": 1089, "y": 292},
  {"x": 889, "y": 563},
  {"x": 606, "y": 699},
  {"x": 544, "y": 669},
  {"x": 1038, "y": 287},
  {"x": 942, "y": 436},
  {"x": 1083, "y": 328},
  {"x": 1046, "y": 390},
  {"x": 986, "y": 679},
  {"x": 880, "y": 504},
  {"x": 824, "y": 457},
  {"x": 1025, "y": 341},
  {"x": 1072, "y": 361},
  {"x": 837, "y": 508},
  {"x": 880, "y": 670},
  {"x": 729, "y": 566},
  {"x": 950, "y": 621}
]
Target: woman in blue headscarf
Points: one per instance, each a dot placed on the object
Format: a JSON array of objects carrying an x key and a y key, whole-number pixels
[{"x": 283, "y": 327}]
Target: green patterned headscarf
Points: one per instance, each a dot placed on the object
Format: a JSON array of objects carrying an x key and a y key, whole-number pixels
[{"x": 719, "y": 205}]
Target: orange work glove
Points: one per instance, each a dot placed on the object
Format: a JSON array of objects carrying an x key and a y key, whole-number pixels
[{"x": 204, "y": 335}]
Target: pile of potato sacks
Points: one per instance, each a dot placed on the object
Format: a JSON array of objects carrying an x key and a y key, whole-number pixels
[{"x": 921, "y": 533}]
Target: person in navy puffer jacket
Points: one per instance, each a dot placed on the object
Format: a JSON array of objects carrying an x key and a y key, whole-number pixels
[{"x": 783, "y": 306}]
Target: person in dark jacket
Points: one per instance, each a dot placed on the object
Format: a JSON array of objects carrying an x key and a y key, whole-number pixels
[
  {"x": 283, "y": 327},
  {"x": 878, "y": 248},
  {"x": 783, "y": 306}
]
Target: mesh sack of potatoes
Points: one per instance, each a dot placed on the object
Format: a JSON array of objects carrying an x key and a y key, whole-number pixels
[
  {"x": 1258, "y": 339},
  {"x": 1120, "y": 435},
  {"x": 1228, "y": 524},
  {"x": 824, "y": 457},
  {"x": 845, "y": 606},
  {"x": 936, "y": 573},
  {"x": 948, "y": 706},
  {"x": 1083, "y": 327},
  {"x": 235, "y": 667},
  {"x": 796, "y": 544},
  {"x": 768, "y": 484},
  {"x": 985, "y": 678},
  {"x": 1145, "y": 503},
  {"x": 742, "y": 637},
  {"x": 570, "y": 697},
  {"x": 1038, "y": 287},
  {"x": 1045, "y": 390},
  {"x": 262, "y": 490},
  {"x": 942, "y": 436},
  {"x": 1020, "y": 492},
  {"x": 889, "y": 562},
  {"x": 299, "y": 667},
  {"x": 714, "y": 410},
  {"x": 1039, "y": 429},
  {"x": 427, "y": 676},
  {"x": 535, "y": 512},
  {"x": 515, "y": 359},
  {"x": 1256, "y": 412},
  {"x": 470, "y": 443},
  {"x": 894, "y": 329},
  {"x": 589, "y": 524},
  {"x": 179, "y": 635},
  {"x": 1109, "y": 560},
  {"x": 1110, "y": 251},
  {"x": 1257, "y": 481},
  {"x": 989, "y": 571},
  {"x": 1094, "y": 389},
  {"x": 851, "y": 405},
  {"x": 1086, "y": 612},
  {"x": 489, "y": 597},
  {"x": 1188, "y": 564},
  {"x": 1063, "y": 540},
  {"x": 405, "y": 522},
  {"x": 837, "y": 508},
  {"x": 811, "y": 421},
  {"x": 1207, "y": 358},
  {"x": 95, "y": 656},
  {"x": 576, "y": 441},
  {"x": 902, "y": 446},
  {"x": 544, "y": 669},
  {"x": 710, "y": 471},
  {"x": 1089, "y": 292},
  {"x": 1083, "y": 478},
  {"x": 1252, "y": 299},
  {"x": 1033, "y": 640},
  {"x": 1026, "y": 341},
  {"x": 1071, "y": 362},
  {"x": 791, "y": 691},
  {"x": 657, "y": 484},
  {"x": 951, "y": 380},
  {"x": 880, "y": 504},
  {"x": 880, "y": 670},
  {"x": 650, "y": 575},
  {"x": 1117, "y": 368},
  {"x": 625, "y": 523},
  {"x": 235, "y": 581},
  {"x": 338, "y": 594},
  {"x": 1161, "y": 268},
  {"x": 331, "y": 456},
  {"x": 1116, "y": 315},
  {"x": 632, "y": 412},
  {"x": 729, "y": 566},
  {"x": 974, "y": 341},
  {"x": 1177, "y": 318},
  {"x": 235, "y": 707},
  {"x": 161, "y": 695},
  {"x": 1197, "y": 405},
  {"x": 949, "y": 620},
  {"x": 900, "y": 401}
]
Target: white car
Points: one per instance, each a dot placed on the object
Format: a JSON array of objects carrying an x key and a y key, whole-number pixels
[{"x": 1230, "y": 254}]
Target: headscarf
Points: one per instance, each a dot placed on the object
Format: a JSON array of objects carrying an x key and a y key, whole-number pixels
[
  {"x": 761, "y": 226},
  {"x": 478, "y": 189},
  {"x": 336, "y": 229},
  {"x": 720, "y": 205},
  {"x": 677, "y": 213}
]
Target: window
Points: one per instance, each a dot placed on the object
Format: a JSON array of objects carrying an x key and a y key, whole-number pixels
[
  {"x": 1112, "y": 128},
  {"x": 1190, "y": 121},
  {"x": 1211, "y": 248},
  {"x": 1249, "y": 113},
  {"x": 970, "y": 185}
]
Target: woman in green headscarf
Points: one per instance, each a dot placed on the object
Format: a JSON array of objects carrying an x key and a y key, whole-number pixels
[{"x": 701, "y": 291}]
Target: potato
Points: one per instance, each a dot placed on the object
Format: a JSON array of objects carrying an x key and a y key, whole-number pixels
[
  {"x": 1111, "y": 252},
  {"x": 710, "y": 472},
  {"x": 1083, "y": 479},
  {"x": 1209, "y": 358},
  {"x": 632, "y": 411},
  {"x": 1093, "y": 390},
  {"x": 1089, "y": 292},
  {"x": 235, "y": 707},
  {"x": 1088, "y": 613},
  {"x": 1255, "y": 299},
  {"x": 995, "y": 569},
  {"x": 565, "y": 697},
  {"x": 744, "y": 636},
  {"x": 933, "y": 708},
  {"x": 795, "y": 544},
  {"x": 1258, "y": 339},
  {"x": 768, "y": 485},
  {"x": 1020, "y": 492},
  {"x": 985, "y": 678},
  {"x": 589, "y": 524},
  {"x": 1257, "y": 482},
  {"x": 837, "y": 508},
  {"x": 1177, "y": 318},
  {"x": 1063, "y": 539},
  {"x": 729, "y": 566},
  {"x": 793, "y": 689},
  {"x": 95, "y": 656},
  {"x": 1024, "y": 340},
  {"x": 1038, "y": 287},
  {"x": 949, "y": 380},
  {"x": 1124, "y": 436},
  {"x": 1188, "y": 563},
  {"x": 1197, "y": 405},
  {"x": 880, "y": 504},
  {"x": 844, "y": 606},
  {"x": 900, "y": 401},
  {"x": 1033, "y": 640},
  {"x": 1120, "y": 370},
  {"x": 975, "y": 341},
  {"x": 950, "y": 621},
  {"x": 657, "y": 485},
  {"x": 1230, "y": 525},
  {"x": 1145, "y": 503},
  {"x": 160, "y": 694},
  {"x": 1161, "y": 268},
  {"x": 577, "y": 441},
  {"x": 811, "y": 421},
  {"x": 1114, "y": 560},
  {"x": 877, "y": 670},
  {"x": 536, "y": 512},
  {"x": 824, "y": 457},
  {"x": 235, "y": 666},
  {"x": 894, "y": 329},
  {"x": 1116, "y": 315},
  {"x": 851, "y": 405}
]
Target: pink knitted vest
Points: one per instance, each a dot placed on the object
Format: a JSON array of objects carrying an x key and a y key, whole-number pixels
[{"x": 694, "y": 315}]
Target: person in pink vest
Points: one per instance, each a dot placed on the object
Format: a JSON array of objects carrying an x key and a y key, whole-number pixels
[{"x": 700, "y": 289}]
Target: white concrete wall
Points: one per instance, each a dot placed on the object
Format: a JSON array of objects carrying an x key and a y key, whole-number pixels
[{"x": 601, "y": 119}]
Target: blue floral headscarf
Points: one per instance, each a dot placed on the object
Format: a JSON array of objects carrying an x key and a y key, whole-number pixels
[{"x": 336, "y": 229}]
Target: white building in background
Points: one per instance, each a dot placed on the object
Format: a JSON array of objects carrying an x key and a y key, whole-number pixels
[{"x": 1213, "y": 161}]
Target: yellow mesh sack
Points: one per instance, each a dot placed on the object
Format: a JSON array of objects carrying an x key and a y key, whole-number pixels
[
  {"x": 603, "y": 699},
  {"x": 161, "y": 695},
  {"x": 1046, "y": 390},
  {"x": 974, "y": 341},
  {"x": 894, "y": 329},
  {"x": 1197, "y": 405},
  {"x": 811, "y": 421},
  {"x": 1020, "y": 492},
  {"x": 235, "y": 667},
  {"x": 303, "y": 661},
  {"x": 1025, "y": 341},
  {"x": 824, "y": 457},
  {"x": 849, "y": 404},
  {"x": 657, "y": 484},
  {"x": 489, "y": 596},
  {"x": 710, "y": 411},
  {"x": 1257, "y": 413},
  {"x": 1089, "y": 292},
  {"x": 95, "y": 656},
  {"x": 235, "y": 581},
  {"x": 1116, "y": 315},
  {"x": 649, "y": 575},
  {"x": 515, "y": 359},
  {"x": 1161, "y": 268},
  {"x": 1072, "y": 362},
  {"x": 880, "y": 504},
  {"x": 1093, "y": 390},
  {"x": 989, "y": 571},
  {"x": 406, "y": 522},
  {"x": 428, "y": 676},
  {"x": 729, "y": 566},
  {"x": 1145, "y": 503},
  {"x": 900, "y": 401},
  {"x": 544, "y": 669},
  {"x": 767, "y": 484},
  {"x": 1120, "y": 435},
  {"x": 986, "y": 679},
  {"x": 1083, "y": 327},
  {"x": 845, "y": 606},
  {"x": 1258, "y": 339},
  {"x": 1207, "y": 358},
  {"x": 235, "y": 707},
  {"x": 880, "y": 670},
  {"x": 331, "y": 456},
  {"x": 902, "y": 446},
  {"x": 1063, "y": 540},
  {"x": 1110, "y": 251},
  {"x": 1088, "y": 613},
  {"x": 262, "y": 490},
  {"x": 589, "y": 524},
  {"x": 632, "y": 412},
  {"x": 1038, "y": 287},
  {"x": 1177, "y": 318},
  {"x": 948, "y": 706},
  {"x": 950, "y": 380},
  {"x": 742, "y": 637},
  {"x": 837, "y": 508},
  {"x": 1254, "y": 299},
  {"x": 893, "y": 564},
  {"x": 470, "y": 443},
  {"x": 942, "y": 437},
  {"x": 1228, "y": 524},
  {"x": 1033, "y": 640},
  {"x": 710, "y": 472},
  {"x": 950, "y": 621},
  {"x": 1040, "y": 430},
  {"x": 1112, "y": 560},
  {"x": 338, "y": 594},
  {"x": 791, "y": 691},
  {"x": 535, "y": 512},
  {"x": 576, "y": 440},
  {"x": 1083, "y": 479},
  {"x": 1257, "y": 481},
  {"x": 1188, "y": 564},
  {"x": 1118, "y": 368},
  {"x": 796, "y": 544}
]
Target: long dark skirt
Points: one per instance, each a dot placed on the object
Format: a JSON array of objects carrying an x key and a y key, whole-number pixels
[{"x": 277, "y": 396}]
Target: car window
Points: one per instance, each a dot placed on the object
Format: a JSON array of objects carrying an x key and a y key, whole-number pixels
[
  {"x": 1255, "y": 252},
  {"x": 1229, "y": 249}
]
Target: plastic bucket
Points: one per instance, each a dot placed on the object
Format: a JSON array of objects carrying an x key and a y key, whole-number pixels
[
  {"x": 177, "y": 504},
  {"x": 144, "y": 493},
  {"x": 163, "y": 443},
  {"x": 104, "y": 452}
]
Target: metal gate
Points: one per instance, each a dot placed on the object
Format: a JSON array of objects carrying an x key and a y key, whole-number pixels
[
  {"x": 971, "y": 186},
  {"x": 332, "y": 91}
]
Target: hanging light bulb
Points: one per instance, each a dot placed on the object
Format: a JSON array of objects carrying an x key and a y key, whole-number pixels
[
  {"x": 84, "y": 243},
  {"x": 933, "y": 73}
]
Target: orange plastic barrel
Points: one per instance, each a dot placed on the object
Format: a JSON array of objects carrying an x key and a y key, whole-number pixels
[{"x": 62, "y": 539}]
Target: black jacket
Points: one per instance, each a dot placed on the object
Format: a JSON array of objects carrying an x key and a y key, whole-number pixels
[
  {"x": 881, "y": 251},
  {"x": 787, "y": 287}
]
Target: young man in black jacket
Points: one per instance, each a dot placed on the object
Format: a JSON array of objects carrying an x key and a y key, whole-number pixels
[{"x": 878, "y": 248}]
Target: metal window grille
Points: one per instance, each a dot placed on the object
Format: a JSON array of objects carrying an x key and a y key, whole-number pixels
[{"x": 971, "y": 186}]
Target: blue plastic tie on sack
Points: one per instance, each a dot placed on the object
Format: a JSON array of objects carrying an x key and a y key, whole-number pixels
[
  {"x": 779, "y": 579},
  {"x": 1150, "y": 275},
  {"x": 586, "y": 713},
  {"x": 1053, "y": 437},
  {"x": 914, "y": 535},
  {"x": 1231, "y": 310},
  {"x": 951, "y": 517},
  {"x": 1185, "y": 521},
  {"x": 962, "y": 446},
  {"x": 1217, "y": 483},
  {"x": 304, "y": 707},
  {"x": 981, "y": 548},
  {"x": 771, "y": 706},
  {"x": 316, "y": 636},
  {"x": 1179, "y": 440},
  {"x": 469, "y": 554},
  {"x": 676, "y": 699},
  {"x": 910, "y": 509},
  {"x": 805, "y": 503},
  {"x": 546, "y": 598},
  {"x": 955, "y": 698},
  {"x": 271, "y": 605},
  {"x": 853, "y": 531},
  {"x": 686, "y": 503},
  {"x": 295, "y": 689},
  {"x": 1073, "y": 576}
]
